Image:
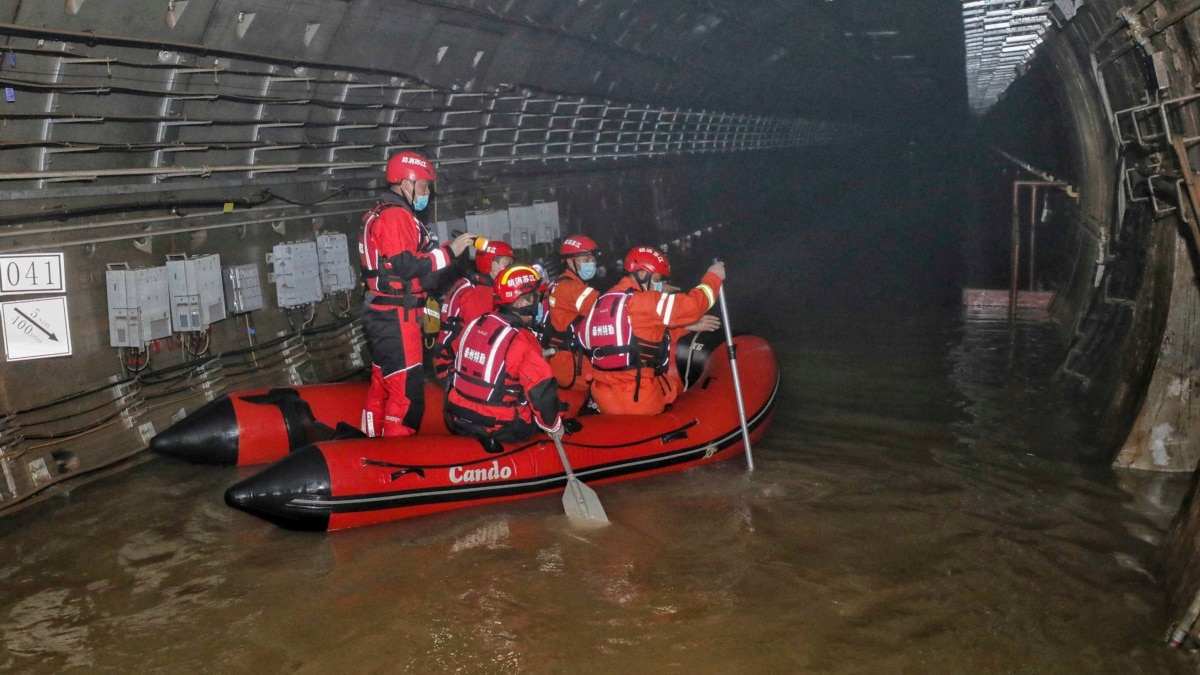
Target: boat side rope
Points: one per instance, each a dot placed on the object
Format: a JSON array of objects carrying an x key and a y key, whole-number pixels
[
  {"x": 419, "y": 469},
  {"x": 666, "y": 437}
]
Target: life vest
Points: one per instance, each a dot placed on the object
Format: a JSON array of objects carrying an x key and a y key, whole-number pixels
[
  {"x": 377, "y": 267},
  {"x": 607, "y": 335},
  {"x": 565, "y": 340},
  {"x": 479, "y": 368},
  {"x": 451, "y": 318}
]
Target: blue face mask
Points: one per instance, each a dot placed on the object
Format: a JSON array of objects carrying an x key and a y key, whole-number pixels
[
  {"x": 656, "y": 286},
  {"x": 587, "y": 270},
  {"x": 541, "y": 313},
  {"x": 421, "y": 202}
]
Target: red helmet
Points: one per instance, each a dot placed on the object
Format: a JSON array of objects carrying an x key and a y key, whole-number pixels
[
  {"x": 514, "y": 282},
  {"x": 647, "y": 258},
  {"x": 408, "y": 165},
  {"x": 577, "y": 244},
  {"x": 494, "y": 249}
]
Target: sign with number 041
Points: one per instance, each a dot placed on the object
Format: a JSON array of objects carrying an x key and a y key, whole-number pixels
[{"x": 31, "y": 273}]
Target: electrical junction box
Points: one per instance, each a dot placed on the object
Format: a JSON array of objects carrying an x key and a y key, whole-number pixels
[
  {"x": 333, "y": 259},
  {"x": 138, "y": 305},
  {"x": 491, "y": 224},
  {"x": 197, "y": 296},
  {"x": 533, "y": 224},
  {"x": 297, "y": 274},
  {"x": 546, "y": 225},
  {"x": 243, "y": 288}
]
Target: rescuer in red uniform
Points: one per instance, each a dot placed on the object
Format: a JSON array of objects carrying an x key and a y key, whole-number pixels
[
  {"x": 396, "y": 251},
  {"x": 631, "y": 330},
  {"x": 468, "y": 299},
  {"x": 502, "y": 390},
  {"x": 568, "y": 301}
]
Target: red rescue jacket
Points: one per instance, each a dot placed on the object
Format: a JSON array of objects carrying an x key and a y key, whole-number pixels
[{"x": 395, "y": 250}]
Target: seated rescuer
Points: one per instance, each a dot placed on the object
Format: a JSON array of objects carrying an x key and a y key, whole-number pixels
[
  {"x": 468, "y": 299},
  {"x": 568, "y": 301},
  {"x": 631, "y": 330},
  {"x": 501, "y": 385},
  {"x": 396, "y": 251}
]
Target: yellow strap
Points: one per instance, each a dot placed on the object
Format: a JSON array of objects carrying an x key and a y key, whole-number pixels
[{"x": 431, "y": 321}]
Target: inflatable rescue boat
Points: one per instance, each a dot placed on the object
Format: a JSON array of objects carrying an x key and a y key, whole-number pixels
[
  {"x": 337, "y": 484},
  {"x": 258, "y": 426}
]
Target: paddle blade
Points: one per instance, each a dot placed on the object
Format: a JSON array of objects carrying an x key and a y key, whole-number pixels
[{"x": 581, "y": 503}]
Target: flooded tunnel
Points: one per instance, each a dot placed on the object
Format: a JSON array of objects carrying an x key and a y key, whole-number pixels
[{"x": 967, "y": 230}]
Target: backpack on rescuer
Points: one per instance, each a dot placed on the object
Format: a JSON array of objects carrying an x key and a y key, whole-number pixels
[
  {"x": 479, "y": 368},
  {"x": 608, "y": 337}
]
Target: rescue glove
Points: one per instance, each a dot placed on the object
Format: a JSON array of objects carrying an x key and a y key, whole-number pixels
[{"x": 571, "y": 426}]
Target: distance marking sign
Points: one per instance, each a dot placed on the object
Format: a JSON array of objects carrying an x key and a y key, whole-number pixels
[{"x": 36, "y": 329}]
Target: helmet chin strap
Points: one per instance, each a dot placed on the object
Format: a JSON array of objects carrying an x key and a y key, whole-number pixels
[
  {"x": 411, "y": 194},
  {"x": 643, "y": 281}
]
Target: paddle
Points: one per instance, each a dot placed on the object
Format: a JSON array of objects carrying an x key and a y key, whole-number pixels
[
  {"x": 737, "y": 381},
  {"x": 579, "y": 500}
]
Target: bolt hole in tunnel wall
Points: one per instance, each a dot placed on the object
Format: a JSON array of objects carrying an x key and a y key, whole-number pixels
[
  {"x": 1109, "y": 104},
  {"x": 135, "y": 144}
]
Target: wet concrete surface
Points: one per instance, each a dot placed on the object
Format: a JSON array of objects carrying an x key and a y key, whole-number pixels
[{"x": 923, "y": 503}]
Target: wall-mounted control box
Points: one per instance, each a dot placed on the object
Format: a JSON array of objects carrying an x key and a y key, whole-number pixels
[
  {"x": 333, "y": 258},
  {"x": 138, "y": 305},
  {"x": 243, "y": 288},
  {"x": 197, "y": 294},
  {"x": 297, "y": 274}
]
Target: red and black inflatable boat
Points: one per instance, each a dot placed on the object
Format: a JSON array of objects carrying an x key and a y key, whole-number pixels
[
  {"x": 257, "y": 426},
  {"x": 338, "y": 484}
]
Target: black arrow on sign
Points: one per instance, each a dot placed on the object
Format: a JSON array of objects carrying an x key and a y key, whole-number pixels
[{"x": 30, "y": 320}]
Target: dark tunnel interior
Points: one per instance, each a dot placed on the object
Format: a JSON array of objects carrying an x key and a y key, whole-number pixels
[{"x": 969, "y": 232}]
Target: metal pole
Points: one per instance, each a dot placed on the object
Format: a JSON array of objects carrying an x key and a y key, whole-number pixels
[
  {"x": 1032, "y": 232},
  {"x": 1016, "y": 251},
  {"x": 737, "y": 381}
]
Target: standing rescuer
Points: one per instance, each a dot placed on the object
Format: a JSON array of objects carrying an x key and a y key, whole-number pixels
[
  {"x": 568, "y": 301},
  {"x": 631, "y": 330},
  {"x": 396, "y": 251},
  {"x": 468, "y": 299},
  {"x": 502, "y": 390}
]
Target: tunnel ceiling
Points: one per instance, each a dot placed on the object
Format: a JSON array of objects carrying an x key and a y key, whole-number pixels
[{"x": 866, "y": 60}]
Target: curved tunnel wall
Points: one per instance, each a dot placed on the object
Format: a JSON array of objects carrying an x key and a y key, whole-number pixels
[
  {"x": 207, "y": 127},
  {"x": 1114, "y": 266},
  {"x": 1124, "y": 94}
]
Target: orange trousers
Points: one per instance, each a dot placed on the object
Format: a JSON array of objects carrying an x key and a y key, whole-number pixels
[{"x": 614, "y": 391}]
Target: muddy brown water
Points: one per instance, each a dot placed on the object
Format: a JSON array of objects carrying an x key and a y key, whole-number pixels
[
  {"x": 919, "y": 506},
  {"x": 922, "y": 503}
]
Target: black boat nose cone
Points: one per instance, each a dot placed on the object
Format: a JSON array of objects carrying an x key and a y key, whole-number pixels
[
  {"x": 207, "y": 436},
  {"x": 291, "y": 493}
]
